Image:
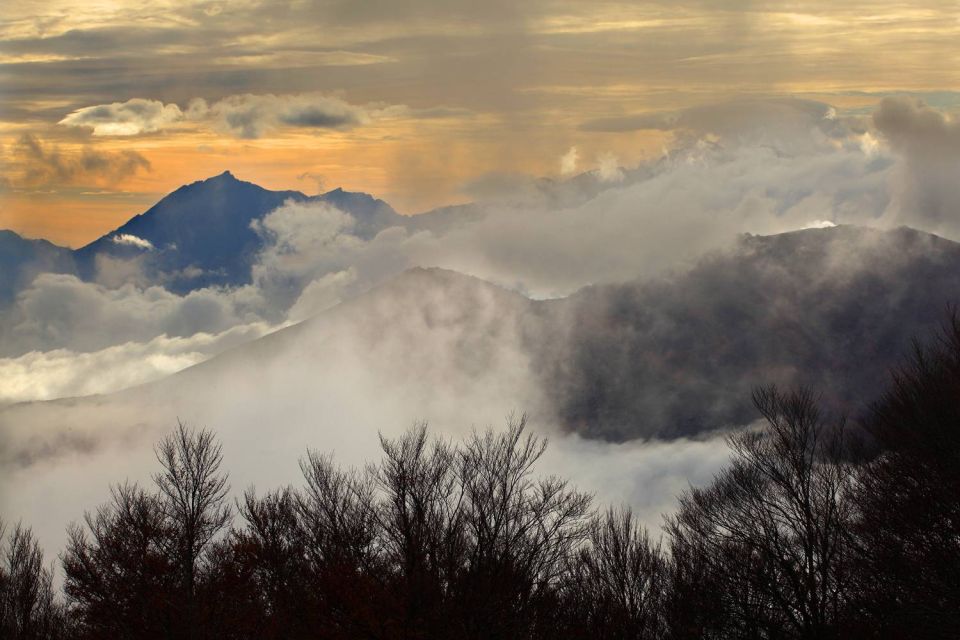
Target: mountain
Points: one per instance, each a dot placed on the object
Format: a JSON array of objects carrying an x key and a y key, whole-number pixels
[
  {"x": 833, "y": 309},
  {"x": 198, "y": 236},
  {"x": 201, "y": 235},
  {"x": 427, "y": 345},
  {"x": 675, "y": 357},
  {"x": 22, "y": 259}
]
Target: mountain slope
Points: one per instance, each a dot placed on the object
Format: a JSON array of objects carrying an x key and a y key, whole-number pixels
[
  {"x": 201, "y": 235},
  {"x": 22, "y": 259},
  {"x": 676, "y": 357},
  {"x": 833, "y": 309}
]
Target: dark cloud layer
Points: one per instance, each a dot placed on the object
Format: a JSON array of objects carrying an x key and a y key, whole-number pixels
[
  {"x": 483, "y": 57},
  {"x": 42, "y": 164}
]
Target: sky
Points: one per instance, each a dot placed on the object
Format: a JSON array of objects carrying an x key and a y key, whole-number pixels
[
  {"x": 107, "y": 106},
  {"x": 665, "y": 131}
]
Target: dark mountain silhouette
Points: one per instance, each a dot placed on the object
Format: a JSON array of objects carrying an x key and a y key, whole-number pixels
[
  {"x": 201, "y": 235},
  {"x": 830, "y": 308},
  {"x": 22, "y": 259}
]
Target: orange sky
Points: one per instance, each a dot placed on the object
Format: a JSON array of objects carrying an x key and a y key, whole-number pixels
[{"x": 107, "y": 106}]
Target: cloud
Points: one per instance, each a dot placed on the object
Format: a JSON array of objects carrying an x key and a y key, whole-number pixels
[
  {"x": 789, "y": 125},
  {"x": 60, "y": 373},
  {"x": 646, "y": 476},
  {"x": 911, "y": 124},
  {"x": 928, "y": 143},
  {"x": 59, "y": 311},
  {"x": 304, "y": 242},
  {"x": 135, "y": 116},
  {"x": 251, "y": 116},
  {"x": 132, "y": 241},
  {"x": 318, "y": 179},
  {"x": 568, "y": 162},
  {"x": 321, "y": 294},
  {"x": 246, "y": 116},
  {"x": 609, "y": 168},
  {"x": 690, "y": 203},
  {"x": 37, "y": 164}
]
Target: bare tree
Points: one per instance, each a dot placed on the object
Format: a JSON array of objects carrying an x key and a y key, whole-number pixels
[
  {"x": 774, "y": 528},
  {"x": 269, "y": 553},
  {"x": 617, "y": 584},
  {"x": 519, "y": 530},
  {"x": 419, "y": 520},
  {"x": 336, "y": 513},
  {"x": 193, "y": 495},
  {"x": 118, "y": 578},
  {"x": 908, "y": 499},
  {"x": 28, "y": 608}
]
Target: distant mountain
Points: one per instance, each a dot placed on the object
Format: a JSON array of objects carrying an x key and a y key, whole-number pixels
[
  {"x": 200, "y": 235},
  {"x": 22, "y": 259},
  {"x": 834, "y": 309}
]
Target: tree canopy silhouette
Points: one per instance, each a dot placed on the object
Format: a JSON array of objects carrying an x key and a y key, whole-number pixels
[{"x": 805, "y": 535}]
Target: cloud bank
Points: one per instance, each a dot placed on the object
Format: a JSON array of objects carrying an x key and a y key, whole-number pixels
[
  {"x": 739, "y": 167},
  {"x": 246, "y": 116},
  {"x": 63, "y": 373}
]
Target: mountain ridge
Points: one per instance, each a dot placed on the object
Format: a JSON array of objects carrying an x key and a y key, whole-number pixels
[
  {"x": 673, "y": 357},
  {"x": 201, "y": 234},
  {"x": 22, "y": 259},
  {"x": 198, "y": 235}
]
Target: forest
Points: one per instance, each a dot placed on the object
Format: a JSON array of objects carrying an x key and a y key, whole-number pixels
[{"x": 819, "y": 528}]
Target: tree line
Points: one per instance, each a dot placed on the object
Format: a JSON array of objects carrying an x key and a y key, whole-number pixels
[{"x": 817, "y": 529}]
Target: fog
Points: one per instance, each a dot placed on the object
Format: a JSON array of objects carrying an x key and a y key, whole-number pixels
[{"x": 379, "y": 347}]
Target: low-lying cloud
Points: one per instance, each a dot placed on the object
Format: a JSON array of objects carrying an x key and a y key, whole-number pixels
[
  {"x": 60, "y": 311},
  {"x": 548, "y": 241},
  {"x": 131, "y": 240},
  {"x": 62, "y": 373}
]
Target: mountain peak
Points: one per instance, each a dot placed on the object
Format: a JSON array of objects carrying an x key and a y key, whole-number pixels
[{"x": 226, "y": 176}]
